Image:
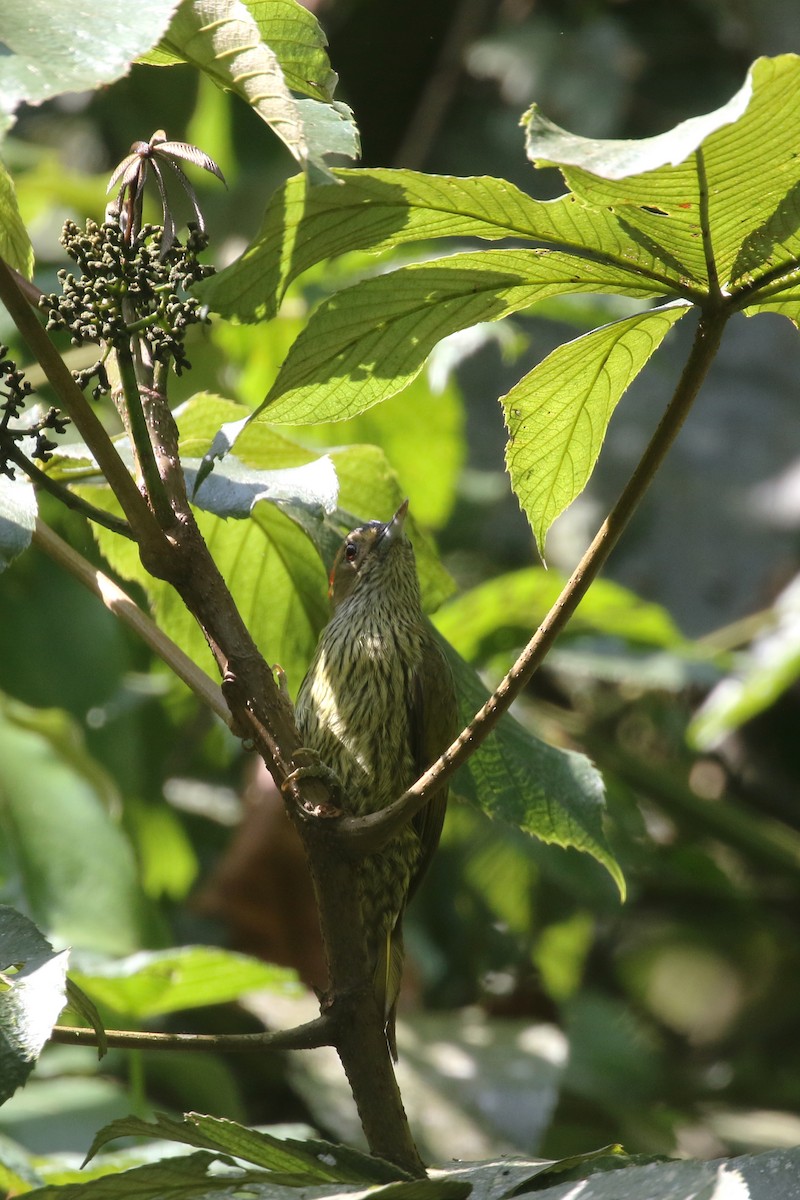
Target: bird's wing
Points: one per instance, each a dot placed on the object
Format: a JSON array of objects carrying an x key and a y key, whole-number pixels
[{"x": 433, "y": 725}]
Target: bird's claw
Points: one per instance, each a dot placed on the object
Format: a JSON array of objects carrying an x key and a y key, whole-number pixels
[
  {"x": 315, "y": 769},
  {"x": 280, "y": 679}
]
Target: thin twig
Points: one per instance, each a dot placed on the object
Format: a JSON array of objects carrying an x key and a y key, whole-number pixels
[
  {"x": 121, "y": 605},
  {"x": 68, "y": 499},
  {"x": 133, "y": 417},
  {"x": 309, "y": 1036}
]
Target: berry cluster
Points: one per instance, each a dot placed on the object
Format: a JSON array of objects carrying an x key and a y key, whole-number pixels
[
  {"x": 15, "y": 389},
  {"x": 128, "y": 288}
]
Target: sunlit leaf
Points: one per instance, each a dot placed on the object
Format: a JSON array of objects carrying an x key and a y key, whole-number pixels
[
  {"x": 558, "y": 414},
  {"x": 377, "y": 210},
  {"x": 50, "y": 49},
  {"x": 230, "y": 41},
  {"x": 366, "y": 343},
  {"x": 720, "y": 193}
]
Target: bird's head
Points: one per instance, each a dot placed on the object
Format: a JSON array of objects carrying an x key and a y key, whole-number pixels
[{"x": 371, "y": 556}]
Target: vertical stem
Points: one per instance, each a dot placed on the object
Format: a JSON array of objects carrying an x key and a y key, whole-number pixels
[
  {"x": 132, "y": 415},
  {"x": 360, "y": 1039}
]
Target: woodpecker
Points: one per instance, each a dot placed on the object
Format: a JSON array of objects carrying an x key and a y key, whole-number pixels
[{"x": 377, "y": 707}]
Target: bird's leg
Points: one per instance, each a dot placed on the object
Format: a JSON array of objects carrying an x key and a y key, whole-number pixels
[{"x": 315, "y": 768}]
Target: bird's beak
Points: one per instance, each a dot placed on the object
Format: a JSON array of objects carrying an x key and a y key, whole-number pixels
[{"x": 393, "y": 530}]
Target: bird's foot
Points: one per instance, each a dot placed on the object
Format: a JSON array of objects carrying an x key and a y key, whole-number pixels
[{"x": 314, "y": 768}]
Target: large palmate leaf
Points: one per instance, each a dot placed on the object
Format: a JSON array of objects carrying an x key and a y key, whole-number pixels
[
  {"x": 707, "y": 213},
  {"x": 261, "y": 51},
  {"x": 721, "y": 193},
  {"x": 377, "y": 210}
]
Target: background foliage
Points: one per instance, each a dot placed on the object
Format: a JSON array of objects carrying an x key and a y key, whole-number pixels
[{"x": 542, "y": 1015}]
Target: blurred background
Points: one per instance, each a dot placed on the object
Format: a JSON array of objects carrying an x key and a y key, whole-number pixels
[{"x": 540, "y": 1014}]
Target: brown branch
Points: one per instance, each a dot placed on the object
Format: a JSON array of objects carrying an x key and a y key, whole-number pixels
[
  {"x": 261, "y": 714},
  {"x": 310, "y": 1036},
  {"x": 123, "y": 607}
]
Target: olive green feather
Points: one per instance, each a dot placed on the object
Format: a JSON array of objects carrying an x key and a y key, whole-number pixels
[{"x": 378, "y": 707}]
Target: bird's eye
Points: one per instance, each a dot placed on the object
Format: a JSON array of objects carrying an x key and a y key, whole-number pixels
[{"x": 350, "y": 551}]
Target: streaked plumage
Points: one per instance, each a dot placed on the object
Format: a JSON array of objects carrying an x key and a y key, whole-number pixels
[{"x": 378, "y": 706}]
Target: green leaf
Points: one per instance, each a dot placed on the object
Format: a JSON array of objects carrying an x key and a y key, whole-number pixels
[
  {"x": 366, "y": 343},
  {"x": 312, "y": 1162},
  {"x": 369, "y": 487},
  {"x": 721, "y": 189},
  {"x": 379, "y": 210},
  {"x": 231, "y": 42},
  {"x": 577, "y": 1166},
  {"x": 558, "y": 414},
  {"x": 15, "y": 245},
  {"x": 50, "y": 48},
  {"x": 271, "y": 568},
  {"x": 399, "y": 427},
  {"x": 556, "y": 795},
  {"x": 68, "y": 862},
  {"x": 183, "y": 1177},
  {"x": 328, "y": 129},
  {"x": 18, "y": 510},
  {"x": 32, "y": 994},
  {"x": 152, "y": 983},
  {"x": 293, "y": 34}
]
